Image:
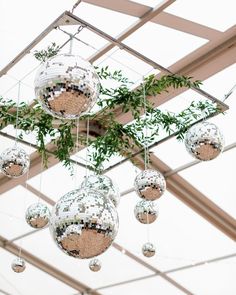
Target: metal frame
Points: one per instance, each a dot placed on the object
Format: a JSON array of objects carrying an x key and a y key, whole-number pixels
[{"x": 216, "y": 55}]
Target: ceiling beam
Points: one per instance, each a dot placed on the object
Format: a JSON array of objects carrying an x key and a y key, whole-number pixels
[
  {"x": 44, "y": 266},
  {"x": 200, "y": 64},
  {"x": 73, "y": 18},
  {"x": 163, "y": 18},
  {"x": 146, "y": 17}
]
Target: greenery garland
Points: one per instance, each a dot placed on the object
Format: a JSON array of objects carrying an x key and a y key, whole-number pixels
[{"x": 117, "y": 138}]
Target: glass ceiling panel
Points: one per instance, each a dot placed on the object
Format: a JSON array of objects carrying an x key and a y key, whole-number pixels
[
  {"x": 158, "y": 43},
  {"x": 116, "y": 266},
  {"x": 216, "y": 179},
  {"x": 13, "y": 205},
  {"x": 151, "y": 286},
  {"x": 151, "y": 3},
  {"x": 181, "y": 236},
  {"x": 212, "y": 279},
  {"x": 109, "y": 21},
  {"x": 57, "y": 181},
  {"x": 27, "y": 24},
  {"x": 31, "y": 281},
  {"x": 221, "y": 13}
]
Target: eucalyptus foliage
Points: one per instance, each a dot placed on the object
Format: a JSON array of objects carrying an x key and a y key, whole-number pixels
[{"x": 117, "y": 138}]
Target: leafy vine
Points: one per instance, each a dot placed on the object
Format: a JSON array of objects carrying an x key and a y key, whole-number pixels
[{"x": 117, "y": 138}]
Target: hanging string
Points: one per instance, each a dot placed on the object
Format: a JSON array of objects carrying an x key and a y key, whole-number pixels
[
  {"x": 87, "y": 147},
  {"x": 146, "y": 157},
  {"x": 76, "y": 151},
  {"x": 71, "y": 44},
  {"x": 40, "y": 180},
  {"x": 17, "y": 112},
  {"x": 148, "y": 229}
]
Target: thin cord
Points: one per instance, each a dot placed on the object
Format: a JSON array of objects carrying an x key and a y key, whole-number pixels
[
  {"x": 17, "y": 112},
  {"x": 76, "y": 151},
  {"x": 40, "y": 180},
  {"x": 148, "y": 229},
  {"x": 71, "y": 45},
  {"x": 146, "y": 158},
  {"x": 87, "y": 147}
]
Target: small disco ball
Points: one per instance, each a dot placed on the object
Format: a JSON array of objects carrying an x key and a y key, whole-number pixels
[
  {"x": 146, "y": 211},
  {"x": 14, "y": 162},
  {"x": 67, "y": 86},
  {"x": 204, "y": 141},
  {"x": 84, "y": 223},
  {"x": 95, "y": 265},
  {"x": 103, "y": 184},
  {"x": 18, "y": 265},
  {"x": 150, "y": 184},
  {"x": 37, "y": 215},
  {"x": 148, "y": 250}
]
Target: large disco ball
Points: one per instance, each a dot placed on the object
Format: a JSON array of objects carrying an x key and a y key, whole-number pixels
[
  {"x": 103, "y": 184},
  {"x": 146, "y": 211},
  {"x": 148, "y": 249},
  {"x": 37, "y": 215},
  {"x": 18, "y": 265},
  {"x": 95, "y": 265},
  {"x": 150, "y": 184},
  {"x": 204, "y": 141},
  {"x": 14, "y": 162},
  {"x": 66, "y": 86},
  {"x": 84, "y": 223}
]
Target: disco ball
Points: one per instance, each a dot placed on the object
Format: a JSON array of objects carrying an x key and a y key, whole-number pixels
[
  {"x": 103, "y": 184},
  {"x": 95, "y": 265},
  {"x": 14, "y": 162},
  {"x": 146, "y": 211},
  {"x": 150, "y": 184},
  {"x": 37, "y": 215},
  {"x": 149, "y": 250},
  {"x": 66, "y": 86},
  {"x": 204, "y": 141},
  {"x": 18, "y": 265},
  {"x": 84, "y": 223}
]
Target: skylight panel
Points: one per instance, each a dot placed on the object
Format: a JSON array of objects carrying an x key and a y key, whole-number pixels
[
  {"x": 78, "y": 268},
  {"x": 32, "y": 281},
  {"x": 163, "y": 45},
  {"x": 220, "y": 171},
  {"x": 12, "y": 217},
  {"x": 155, "y": 285},
  {"x": 219, "y": 15},
  {"x": 151, "y": 3},
  {"x": 175, "y": 233},
  {"x": 107, "y": 20},
  {"x": 212, "y": 278}
]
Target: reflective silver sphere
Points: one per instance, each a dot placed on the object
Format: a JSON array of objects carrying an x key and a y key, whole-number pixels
[
  {"x": 95, "y": 265},
  {"x": 37, "y": 215},
  {"x": 146, "y": 211},
  {"x": 103, "y": 184},
  {"x": 204, "y": 141},
  {"x": 14, "y": 162},
  {"x": 84, "y": 223},
  {"x": 67, "y": 86},
  {"x": 18, "y": 265},
  {"x": 150, "y": 184},
  {"x": 149, "y": 250}
]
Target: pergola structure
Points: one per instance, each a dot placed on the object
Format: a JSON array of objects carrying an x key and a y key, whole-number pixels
[{"x": 216, "y": 54}]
